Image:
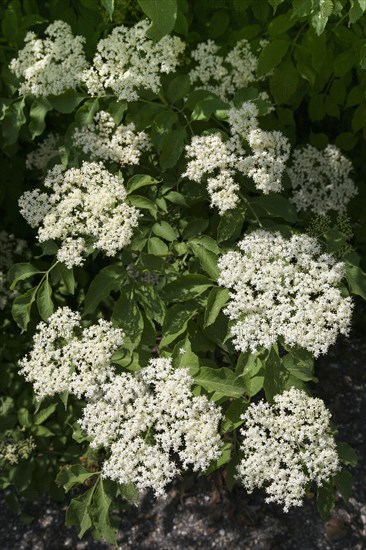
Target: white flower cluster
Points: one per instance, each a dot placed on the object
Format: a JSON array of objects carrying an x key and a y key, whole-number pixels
[
  {"x": 286, "y": 446},
  {"x": 52, "y": 65},
  {"x": 210, "y": 154},
  {"x": 66, "y": 357},
  {"x": 284, "y": 288},
  {"x": 223, "y": 76},
  {"x": 103, "y": 139},
  {"x": 265, "y": 166},
  {"x": 127, "y": 60},
  {"x": 321, "y": 180},
  {"x": 146, "y": 417},
  {"x": 84, "y": 202},
  {"x": 10, "y": 247},
  {"x": 45, "y": 151}
]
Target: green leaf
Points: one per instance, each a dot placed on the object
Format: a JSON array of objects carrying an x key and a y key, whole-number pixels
[
  {"x": 152, "y": 303},
  {"x": 13, "y": 121},
  {"x": 284, "y": 82},
  {"x": 85, "y": 114},
  {"x": 272, "y": 55},
  {"x": 19, "y": 272},
  {"x": 325, "y": 499},
  {"x": 233, "y": 415},
  {"x": 176, "y": 198},
  {"x": 44, "y": 300},
  {"x": 172, "y": 146},
  {"x": 357, "y": 10},
  {"x": 164, "y": 230},
  {"x": 275, "y": 376},
  {"x": 139, "y": 180},
  {"x": 178, "y": 88},
  {"x": 222, "y": 381},
  {"x": 108, "y": 5},
  {"x": 175, "y": 322},
  {"x": 41, "y": 416},
  {"x": 67, "y": 102},
  {"x": 281, "y": 24},
  {"x": 129, "y": 492},
  {"x": 300, "y": 363},
  {"x": 302, "y": 8},
  {"x": 127, "y": 316},
  {"x": 157, "y": 247},
  {"x": 108, "y": 279},
  {"x": 356, "y": 279},
  {"x": 102, "y": 500},
  {"x": 38, "y": 111},
  {"x": 143, "y": 203},
  {"x": 346, "y": 454},
  {"x": 363, "y": 57},
  {"x": 163, "y": 14},
  {"x": 251, "y": 368},
  {"x": 217, "y": 298},
  {"x": 320, "y": 18},
  {"x": 344, "y": 482},
  {"x": 207, "y": 242},
  {"x": 24, "y": 417},
  {"x": 186, "y": 287},
  {"x": 67, "y": 276},
  {"x": 183, "y": 356},
  {"x": 230, "y": 225},
  {"x": 274, "y": 205},
  {"x": 22, "y": 307},
  {"x": 78, "y": 512},
  {"x": 72, "y": 475},
  {"x": 223, "y": 459},
  {"x": 205, "y": 108},
  {"x": 207, "y": 257}
]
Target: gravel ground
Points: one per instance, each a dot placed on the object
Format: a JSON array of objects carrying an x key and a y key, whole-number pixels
[{"x": 200, "y": 514}]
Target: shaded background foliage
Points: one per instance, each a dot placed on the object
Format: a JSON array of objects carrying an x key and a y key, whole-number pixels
[{"x": 317, "y": 52}]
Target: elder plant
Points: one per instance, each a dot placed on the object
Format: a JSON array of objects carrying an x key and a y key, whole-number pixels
[{"x": 181, "y": 276}]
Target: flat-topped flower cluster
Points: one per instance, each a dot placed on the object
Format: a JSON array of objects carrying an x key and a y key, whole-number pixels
[
  {"x": 128, "y": 60},
  {"x": 220, "y": 75},
  {"x": 284, "y": 289},
  {"x": 69, "y": 358},
  {"x": 146, "y": 418},
  {"x": 321, "y": 180},
  {"x": 249, "y": 151},
  {"x": 50, "y": 66},
  {"x": 83, "y": 203},
  {"x": 287, "y": 446},
  {"x": 105, "y": 140}
]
